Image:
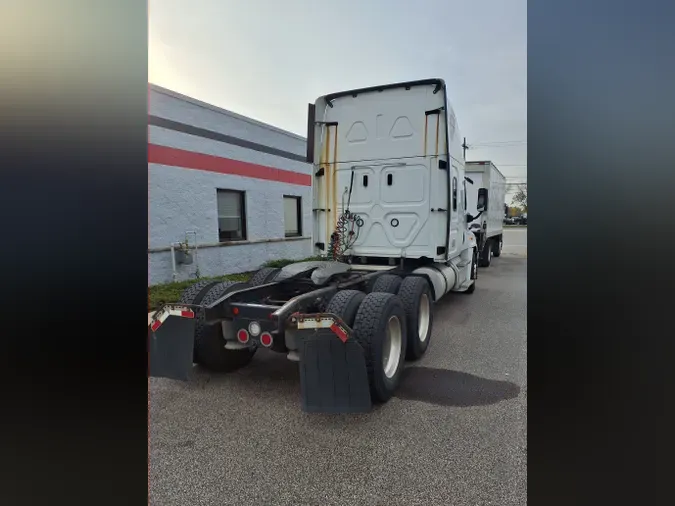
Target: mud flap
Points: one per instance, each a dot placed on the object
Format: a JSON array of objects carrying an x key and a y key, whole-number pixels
[
  {"x": 333, "y": 375},
  {"x": 170, "y": 349}
]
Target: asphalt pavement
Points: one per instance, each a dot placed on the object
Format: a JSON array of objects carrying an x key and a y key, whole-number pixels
[{"x": 455, "y": 434}]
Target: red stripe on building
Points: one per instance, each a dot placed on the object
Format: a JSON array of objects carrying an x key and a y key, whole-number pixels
[{"x": 164, "y": 155}]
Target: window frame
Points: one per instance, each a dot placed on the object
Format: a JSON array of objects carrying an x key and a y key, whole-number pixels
[
  {"x": 454, "y": 193},
  {"x": 242, "y": 205},
  {"x": 298, "y": 203},
  {"x": 466, "y": 205}
]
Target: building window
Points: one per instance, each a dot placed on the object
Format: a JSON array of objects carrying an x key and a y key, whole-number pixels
[
  {"x": 292, "y": 216},
  {"x": 231, "y": 216}
]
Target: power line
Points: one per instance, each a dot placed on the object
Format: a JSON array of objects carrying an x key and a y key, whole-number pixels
[
  {"x": 498, "y": 142},
  {"x": 501, "y": 164},
  {"x": 473, "y": 147},
  {"x": 505, "y": 144}
]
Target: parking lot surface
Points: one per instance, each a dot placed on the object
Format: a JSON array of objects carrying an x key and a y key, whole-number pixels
[{"x": 455, "y": 434}]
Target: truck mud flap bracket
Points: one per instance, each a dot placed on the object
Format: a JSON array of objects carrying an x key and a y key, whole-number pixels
[
  {"x": 171, "y": 342},
  {"x": 333, "y": 373}
]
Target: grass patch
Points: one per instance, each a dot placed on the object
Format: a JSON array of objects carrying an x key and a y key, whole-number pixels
[
  {"x": 169, "y": 293},
  {"x": 284, "y": 262}
]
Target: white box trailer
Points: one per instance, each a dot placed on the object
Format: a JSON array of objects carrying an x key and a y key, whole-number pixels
[{"x": 489, "y": 225}]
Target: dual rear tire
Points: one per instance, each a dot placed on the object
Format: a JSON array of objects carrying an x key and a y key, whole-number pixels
[
  {"x": 486, "y": 254},
  {"x": 264, "y": 276},
  {"x": 391, "y": 326},
  {"x": 492, "y": 248},
  {"x": 209, "y": 344},
  {"x": 379, "y": 323},
  {"x": 417, "y": 299},
  {"x": 497, "y": 250}
]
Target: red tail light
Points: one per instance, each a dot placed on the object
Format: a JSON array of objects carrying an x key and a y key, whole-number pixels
[
  {"x": 266, "y": 339},
  {"x": 242, "y": 336}
]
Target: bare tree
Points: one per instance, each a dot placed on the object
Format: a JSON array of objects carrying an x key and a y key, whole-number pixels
[{"x": 520, "y": 197}]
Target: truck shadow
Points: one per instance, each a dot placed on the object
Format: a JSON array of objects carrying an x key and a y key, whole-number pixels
[
  {"x": 439, "y": 387},
  {"x": 443, "y": 387}
]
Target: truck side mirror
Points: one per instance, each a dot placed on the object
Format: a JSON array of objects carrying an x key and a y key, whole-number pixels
[
  {"x": 482, "y": 200},
  {"x": 310, "y": 132}
]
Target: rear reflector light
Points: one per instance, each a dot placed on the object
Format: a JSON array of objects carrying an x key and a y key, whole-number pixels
[
  {"x": 187, "y": 314},
  {"x": 338, "y": 331},
  {"x": 266, "y": 339},
  {"x": 235, "y": 310},
  {"x": 242, "y": 336}
]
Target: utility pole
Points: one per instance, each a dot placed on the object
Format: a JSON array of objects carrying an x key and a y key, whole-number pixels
[{"x": 465, "y": 148}]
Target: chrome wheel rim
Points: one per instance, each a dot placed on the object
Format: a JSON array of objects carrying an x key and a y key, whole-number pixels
[
  {"x": 423, "y": 318},
  {"x": 392, "y": 347}
]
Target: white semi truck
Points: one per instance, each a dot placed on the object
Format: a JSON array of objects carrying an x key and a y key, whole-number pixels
[
  {"x": 484, "y": 178},
  {"x": 389, "y": 220}
]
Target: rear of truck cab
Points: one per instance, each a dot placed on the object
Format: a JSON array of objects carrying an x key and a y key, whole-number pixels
[{"x": 391, "y": 155}]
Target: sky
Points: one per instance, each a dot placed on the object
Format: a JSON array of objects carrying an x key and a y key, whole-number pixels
[{"x": 267, "y": 59}]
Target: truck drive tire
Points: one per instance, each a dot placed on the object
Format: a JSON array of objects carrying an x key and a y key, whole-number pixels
[
  {"x": 380, "y": 329},
  {"x": 263, "y": 276},
  {"x": 387, "y": 283},
  {"x": 486, "y": 255},
  {"x": 210, "y": 349},
  {"x": 195, "y": 293},
  {"x": 415, "y": 294},
  {"x": 499, "y": 243},
  {"x": 345, "y": 304}
]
